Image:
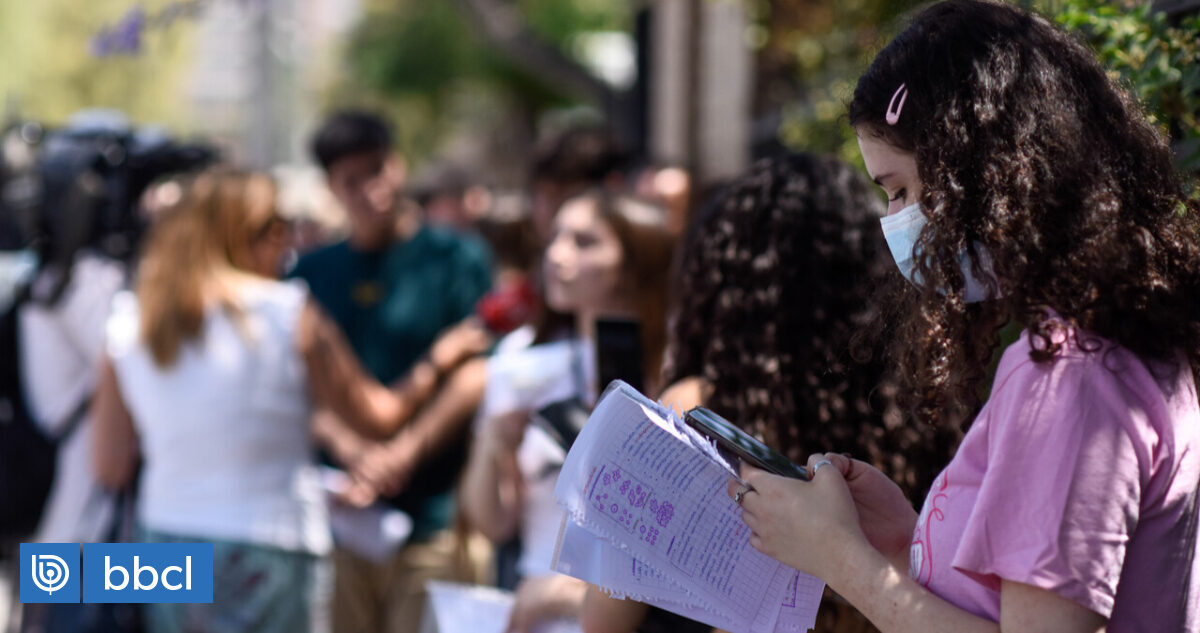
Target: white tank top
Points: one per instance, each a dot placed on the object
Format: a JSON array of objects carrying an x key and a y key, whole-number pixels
[{"x": 224, "y": 432}]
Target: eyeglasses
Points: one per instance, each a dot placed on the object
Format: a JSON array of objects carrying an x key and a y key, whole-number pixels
[{"x": 276, "y": 220}]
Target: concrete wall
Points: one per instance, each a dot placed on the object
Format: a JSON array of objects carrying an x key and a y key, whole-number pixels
[{"x": 701, "y": 89}]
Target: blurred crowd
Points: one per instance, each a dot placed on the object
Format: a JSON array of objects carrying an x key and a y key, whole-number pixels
[{"x": 357, "y": 385}]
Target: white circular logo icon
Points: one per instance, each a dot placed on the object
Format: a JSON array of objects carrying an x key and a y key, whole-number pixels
[{"x": 50, "y": 573}]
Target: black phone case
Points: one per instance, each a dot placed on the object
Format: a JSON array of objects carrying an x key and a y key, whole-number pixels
[{"x": 705, "y": 420}]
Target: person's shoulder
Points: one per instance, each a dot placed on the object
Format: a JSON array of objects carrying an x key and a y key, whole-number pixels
[
  {"x": 320, "y": 259},
  {"x": 455, "y": 244},
  {"x": 93, "y": 280},
  {"x": 333, "y": 250},
  {"x": 91, "y": 266},
  {"x": 1071, "y": 351},
  {"x": 286, "y": 292},
  {"x": 280, "y": 300},
  {"x": 122, "y": 327},
  {"x": 1085, "y": 372},
  {"x": 93, "y": 275}
]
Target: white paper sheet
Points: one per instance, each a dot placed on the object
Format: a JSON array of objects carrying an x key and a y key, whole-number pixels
[
  {"x": 533, "y": 377},
  {"x": 593, "y": 559},
  {"x": 459, "y": 608},
  {"x": 638, "y": 480},
  {"x": 375, "y": 532}
]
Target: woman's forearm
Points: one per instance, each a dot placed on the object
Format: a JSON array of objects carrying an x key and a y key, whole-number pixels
[
  {"x": 114, "y": 440},
  {"x": 604, "y": 614},
  {"x": 338, "y": 381},
  {"x": 900, "y": 560},
  {"x": 491, "y": 491},
  {"x": 331, "y": 433},
  {"x": 894, "y": 602}
]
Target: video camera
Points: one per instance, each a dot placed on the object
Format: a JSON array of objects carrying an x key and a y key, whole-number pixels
[{"x": 84, "y": 187}]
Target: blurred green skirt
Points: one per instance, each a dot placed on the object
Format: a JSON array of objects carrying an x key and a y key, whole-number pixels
[{"x": 256, "y": 589}]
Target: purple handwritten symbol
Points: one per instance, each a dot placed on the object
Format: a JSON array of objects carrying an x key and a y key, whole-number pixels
[
  {"x": 623, "y": 498},
  {"x": 637, "y": 497},
  {"x": 665, "y": 513}
]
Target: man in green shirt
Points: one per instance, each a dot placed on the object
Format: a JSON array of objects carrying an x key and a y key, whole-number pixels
[{"x": 393, "y": 286}]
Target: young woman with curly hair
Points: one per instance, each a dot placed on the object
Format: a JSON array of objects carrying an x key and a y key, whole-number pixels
[
  {"x": 782, "y": 265},
  {"x": 1025, "y": 187}
]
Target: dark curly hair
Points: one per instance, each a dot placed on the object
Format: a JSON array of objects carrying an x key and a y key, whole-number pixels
[
  {"x": 1024, "y": 146},
  {"x": 775, "y": 280}
]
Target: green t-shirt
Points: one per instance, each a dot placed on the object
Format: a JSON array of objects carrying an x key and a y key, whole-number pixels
[{"x": 391, "y": 304}]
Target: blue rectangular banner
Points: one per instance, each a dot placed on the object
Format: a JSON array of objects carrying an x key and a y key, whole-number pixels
[{"x": 147, "y": 572}]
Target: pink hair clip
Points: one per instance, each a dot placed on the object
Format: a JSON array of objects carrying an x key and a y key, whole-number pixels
[{"x": 893, "y": 110}]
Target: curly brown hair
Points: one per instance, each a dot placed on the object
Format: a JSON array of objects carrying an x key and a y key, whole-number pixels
[
  {"x": 1024, "y": 146},
  {"x": 774, "y": 282}
]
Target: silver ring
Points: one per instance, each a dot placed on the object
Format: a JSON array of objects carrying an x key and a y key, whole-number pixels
[
  {"x": 741, "y": 494},
  {"x": 817, "y": 466}
]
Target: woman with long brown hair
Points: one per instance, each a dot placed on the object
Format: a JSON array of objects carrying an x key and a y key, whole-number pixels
[
  {"x": 607, "y": 259},
  {"x": 213, "y": 369}
]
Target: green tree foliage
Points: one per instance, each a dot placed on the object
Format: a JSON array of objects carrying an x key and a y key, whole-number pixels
[
  {"x": 560, "y": 21},
  {"x": 422, "y": 61},
  {"x": 1157, "y": 60},
  {"x": 415, "y": 48},
  {"x": 829, "y": 44},
  {"x": 820, "y": 47}
]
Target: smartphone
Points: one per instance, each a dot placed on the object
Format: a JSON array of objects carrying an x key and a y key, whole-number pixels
[
  {"x": 619, "y": 354},
  {"x": 736, "y": 442}
]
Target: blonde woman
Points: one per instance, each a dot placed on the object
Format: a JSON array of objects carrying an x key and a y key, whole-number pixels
[{"x": 213, "y": 368}]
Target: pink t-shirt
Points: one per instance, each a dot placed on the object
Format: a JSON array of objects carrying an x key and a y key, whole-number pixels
[{"x": 1080, "y": 477}]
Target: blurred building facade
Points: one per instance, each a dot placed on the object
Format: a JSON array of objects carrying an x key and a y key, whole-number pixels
[
  {"x": 702, "y": 74},
  {"x": 261, "y": 71}
]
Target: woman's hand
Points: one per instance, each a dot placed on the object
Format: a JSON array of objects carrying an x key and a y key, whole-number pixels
[
  {"x": 881, "y": 513},
  {"x": 542, "y": 598},
  {"x": 886, "y": 516},
  {"x": 342, "y": 442},
  {"x": 808, "y": 525},
  {"x": 467, "y": 338},
  {"x": 387, "y": 466},
  {"x": 492, "y": 492},
  {"x": 357, "y": 494}
]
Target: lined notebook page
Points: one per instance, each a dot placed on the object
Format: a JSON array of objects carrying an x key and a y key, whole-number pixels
[{"x": 637, "y": 482}]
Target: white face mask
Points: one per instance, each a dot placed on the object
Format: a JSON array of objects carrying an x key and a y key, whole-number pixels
[{"x": 901, "y": 231}]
